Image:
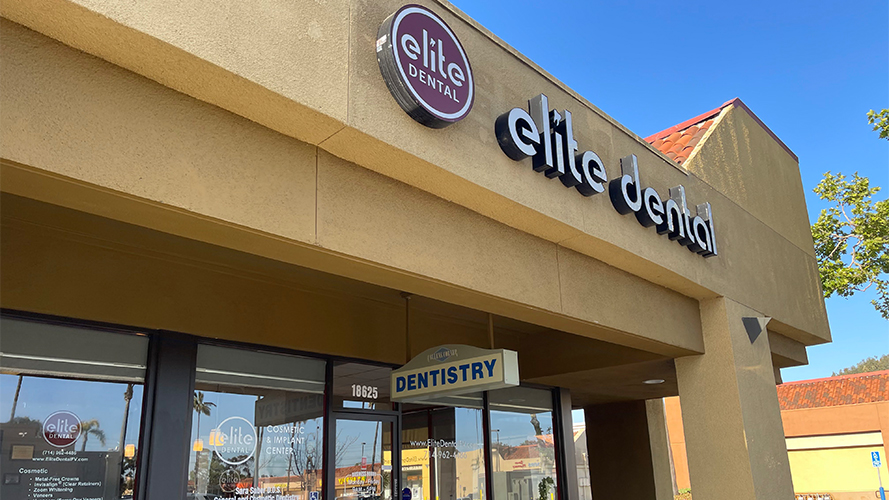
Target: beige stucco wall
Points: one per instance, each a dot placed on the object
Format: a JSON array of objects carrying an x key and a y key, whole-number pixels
[
  {"x": 71, "y": 114},
  {"x": 193, "y": 170},
  {"x": 310, "y": 73},
  {"x": 224, "y": 54},
  {"x": 741, "y": 160}
]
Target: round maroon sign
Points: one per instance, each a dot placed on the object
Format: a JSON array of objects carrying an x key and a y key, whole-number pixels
[
  {"x": 61, "y": 429},
  {"x": 425, "y": 67}
]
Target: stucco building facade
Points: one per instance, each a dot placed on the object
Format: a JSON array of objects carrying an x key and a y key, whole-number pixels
[{"x": 231, "y": 199}]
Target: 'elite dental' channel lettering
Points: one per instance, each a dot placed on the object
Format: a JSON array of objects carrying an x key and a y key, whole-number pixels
[{"x": 547, "y": 136}]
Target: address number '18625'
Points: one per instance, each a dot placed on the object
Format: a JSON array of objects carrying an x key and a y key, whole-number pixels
[{"x": 364, "y": 391}]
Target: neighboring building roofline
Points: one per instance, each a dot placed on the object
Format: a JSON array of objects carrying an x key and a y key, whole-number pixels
[
  {"x": 856, "y": 388},
  {"x": 837, "y": 377},
  {"x": 709, "y": 114}
]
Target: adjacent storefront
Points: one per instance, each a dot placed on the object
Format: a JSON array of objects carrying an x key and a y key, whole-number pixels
[{"x": 363, "y": 250}]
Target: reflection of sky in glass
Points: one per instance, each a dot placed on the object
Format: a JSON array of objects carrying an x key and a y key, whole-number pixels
[
  {"x": 357, "y": 432},
  {"x": 526, "y": 471},
  {"x": 99, "y": 400},
  {"x": 516, "y": 428},
  {"x": 469, "y": 429}
]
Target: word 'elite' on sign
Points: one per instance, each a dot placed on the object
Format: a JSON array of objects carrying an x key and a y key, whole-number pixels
[
  {"x": 452, "y": 370},
  {"x": 425, "y": 67},
  {"x": 547, "y": 136}
]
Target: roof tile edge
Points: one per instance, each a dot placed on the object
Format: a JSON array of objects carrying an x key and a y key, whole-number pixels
[
  {"x": 684, "y": 125},
  {"x": 713, "y": 112},
  {"x": 716, "y": 121},
  {"x": 838, "y": 377}
]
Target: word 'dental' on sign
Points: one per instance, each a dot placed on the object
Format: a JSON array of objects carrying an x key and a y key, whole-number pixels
[
  {"x": 548, "y": 138},
  {"x": 425, "y": 67},
  {"x": 451, "y": 370}
]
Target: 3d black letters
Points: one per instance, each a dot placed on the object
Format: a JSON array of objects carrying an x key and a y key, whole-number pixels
[
  {"x": 547, "y": 136},
  {"x": 625, "y": 192}
]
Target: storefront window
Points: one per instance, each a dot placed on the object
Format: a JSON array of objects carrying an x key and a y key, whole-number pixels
[
  {"x": 363, "y": 459},
  {"x": 257, "y": 424},
  {"x": 443, "y": 449},
  {"x": 361, "y": 386},
  {"x": 71, "y": 404},
  {"x": 522, "y": 446}
]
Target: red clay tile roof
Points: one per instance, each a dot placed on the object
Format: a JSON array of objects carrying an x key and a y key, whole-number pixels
[
  {"x": 520, "y": 452},
  {"x": 835, "y": 391},
  {"x": 679, "y": 145},
  {"x": 678, "y": 141}
]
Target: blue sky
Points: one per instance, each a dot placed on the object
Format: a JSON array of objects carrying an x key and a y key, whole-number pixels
[
  {"x": 41, "y": 396},
  {"x": 809, "y": 70}
]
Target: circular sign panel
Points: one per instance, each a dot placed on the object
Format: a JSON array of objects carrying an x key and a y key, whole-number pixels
[
  {"x": 228, "y": 480},
  {"x": 61, "y": 429},
  {"x": 234, "y": 440},
  {"x": 425, "y": 67}
]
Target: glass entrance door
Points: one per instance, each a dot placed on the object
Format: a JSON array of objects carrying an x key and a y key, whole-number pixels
[
  {"x": 363, "y": 456},
  {"x": 443, "y": 449}
]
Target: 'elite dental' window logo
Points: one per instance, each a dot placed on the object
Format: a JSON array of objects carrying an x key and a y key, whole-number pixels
[
  {"x": 61, "y": 429},
  {"x": 234, "y": 440},
  {"x": 425, "y": 67}
]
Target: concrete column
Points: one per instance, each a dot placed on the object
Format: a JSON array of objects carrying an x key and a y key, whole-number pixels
[
  {"x": 730, "y": 411},
  {"x": 622, "y": 453},
  {"x": 659, "y": 441}
]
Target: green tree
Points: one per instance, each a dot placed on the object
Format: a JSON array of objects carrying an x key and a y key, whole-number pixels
[
  {"x": 201, "y": 408},
  {"x": 88, "y": 427},
  {"x": 25, "y": 420},
  {"x": 852, "y": 239},
  {"x": 880, "y": 121},
  {"x": 852, "y": 236},
  {"x": 543, "y": 487},
  {"x": 872, "y": 364}
]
